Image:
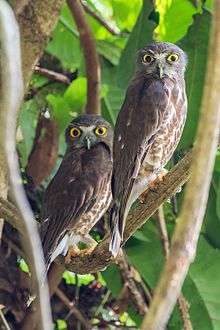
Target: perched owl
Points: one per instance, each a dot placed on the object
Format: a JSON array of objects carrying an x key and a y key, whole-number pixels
[
  {"x": 148, "y": 128},
  {"x": 80, "y": 193}
]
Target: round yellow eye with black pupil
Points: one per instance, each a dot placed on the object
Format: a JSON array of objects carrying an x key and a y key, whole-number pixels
[
  {"x": 101, "y": 130},
  {"x": 147, "y": 58},
  {"x": 172, "y": 57},
  {"x": 75, "y": 132}
]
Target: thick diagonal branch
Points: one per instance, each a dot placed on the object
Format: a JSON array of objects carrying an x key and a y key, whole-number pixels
[
  {"x": 101, "y": 257},
  {"x": 184, "y": 242},
  {"x": 91, "y": 57}
]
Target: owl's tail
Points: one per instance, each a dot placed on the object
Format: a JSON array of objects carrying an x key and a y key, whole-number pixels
[{"x": 116, "y": 233}]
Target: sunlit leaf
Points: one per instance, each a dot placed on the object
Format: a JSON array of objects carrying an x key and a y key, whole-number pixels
[
  {"x": 141, "y": 34},
  {"x": 169, "y": 28},
  {"x": 195, "y": 44}
]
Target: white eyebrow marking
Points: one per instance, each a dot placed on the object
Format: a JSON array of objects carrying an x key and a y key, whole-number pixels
[{"x": 87, "y": 128}]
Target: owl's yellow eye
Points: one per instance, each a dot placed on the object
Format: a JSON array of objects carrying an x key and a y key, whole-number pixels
[
  {"x": 172, "y": 57},
  {"x": 101, "y": 130},
  {"x": 75, "y": 132},
  {"x": 147, "y": 58}
]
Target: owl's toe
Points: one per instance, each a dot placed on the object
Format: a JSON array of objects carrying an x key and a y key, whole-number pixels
[{"x": 73, "y": 251}]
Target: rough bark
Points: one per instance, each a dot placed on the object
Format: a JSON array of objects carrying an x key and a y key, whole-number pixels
[{"x": 36, "y": 20}]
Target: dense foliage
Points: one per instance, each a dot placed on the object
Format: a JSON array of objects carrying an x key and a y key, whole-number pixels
[{"x": 183, "y": 22}]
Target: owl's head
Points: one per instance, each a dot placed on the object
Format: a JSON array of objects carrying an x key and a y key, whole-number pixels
[
  {"x": 86, "y": 131},
  {"x": 162, "y": 59}
]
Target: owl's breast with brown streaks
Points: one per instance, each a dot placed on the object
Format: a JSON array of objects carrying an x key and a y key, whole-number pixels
[
  {"x": 89, "y": 219},
  {"x": 167, "y": 137}
]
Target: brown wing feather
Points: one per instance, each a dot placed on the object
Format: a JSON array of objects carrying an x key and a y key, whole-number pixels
[
  {"x": 142, "y": 113},
  {"x": 72, "y": 192}
]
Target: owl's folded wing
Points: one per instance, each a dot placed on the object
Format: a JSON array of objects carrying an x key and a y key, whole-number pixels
[{"x": 71, "y": 193}]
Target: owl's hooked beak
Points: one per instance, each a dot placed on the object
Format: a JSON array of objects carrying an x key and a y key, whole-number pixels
[
  {"x": 87, "y": 142},
  {"x": 160, "y": 71}
]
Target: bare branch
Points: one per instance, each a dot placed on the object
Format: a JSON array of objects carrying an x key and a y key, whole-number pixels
[
  {"x": 4, "y": 321},
  {"x": 101, "y": 20},
  {"x": 127, "y": 275},
  {"x": 52, "y": 75},
  {"x": 73, "y": 310},
  {"x": 184, "y": 242},
  {"x": 91, "y": 57}
]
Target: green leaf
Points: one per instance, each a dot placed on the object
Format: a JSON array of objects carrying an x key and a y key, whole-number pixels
[
  {"x": 27, "y": 120},
  {"x": 147, "y": 255},
  {"x": 75, "y": 94},
  {"x": 212, "y": 220},
  {"x": 195, "y": 44},
  {"x": 203, "y": 273},
  {"x": 141, "y": 34},
  {"x": 126, "y": 12},
  {"x": 60, "y": 110},
  {"x": 169, "y": 28},
  {"x": 66, "y": 47},
  {"x": 217, "y": 162},
  {"x": 113, "y": 279},
  {"x": 70, "y": 278},
  {"x": 61, "y": 324},
  {"x": 109, "y": 50},
  {"x": 23, "y": 265}
]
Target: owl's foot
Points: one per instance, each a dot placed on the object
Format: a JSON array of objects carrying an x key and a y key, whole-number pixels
[
  {"x": 152, "y": 185},
  {"x": 91, "y": 245},
  {"x": 73, "y": 251}
]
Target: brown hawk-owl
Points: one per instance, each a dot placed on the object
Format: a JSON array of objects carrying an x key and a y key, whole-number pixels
[
  {"x": 80, "y": 193},
  {"x": 148, "y": 128}
]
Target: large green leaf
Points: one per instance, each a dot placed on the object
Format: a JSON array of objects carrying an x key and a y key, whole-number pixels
[
  {"x": 141, "y": 34},
  {"x": 169, "y": 28},
  {"x": 126, "y": 12},
  {"x": 195, "y": 44},
  {"x": 204, "y": 274},
  {"x": 28, "y": 121},
  {"x": 201, "y": 287},
  {"x": 212, "y": 219}
]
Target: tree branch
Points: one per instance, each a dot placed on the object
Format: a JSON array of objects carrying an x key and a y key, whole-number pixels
[
  {"x": 101, "y": 20},
  {"x": 185, "y": 238},
  {"x": 73, "y": 310},
  {"x": 134, "y": 293},
  {"x": 11, "y": 97},
  {"x": 91, "y": 57},
  {"x": 36, "y": 21},
  {"x": 52, "y": 75},
  {"x": 101, "y": 257}
]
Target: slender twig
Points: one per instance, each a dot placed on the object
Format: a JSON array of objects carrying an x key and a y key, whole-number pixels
[
  {"x": 101, "y": 20},
  {"x": 75, "y": 311},
  {"x": 52, "y": 75},
  {"x": 182, "y": 302},
  {"x": 7, "y": 327},
  {"x": 91, "y": 57},
  {"x": 103, "y": 302},
  {"x": 127, "y": 276},
  {"x": 186, "y": 234}
]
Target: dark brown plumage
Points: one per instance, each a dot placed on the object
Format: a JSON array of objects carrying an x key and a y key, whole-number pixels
[
  {"x": 79, "y": 194},
  {"x": 148, "y": 128}
]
